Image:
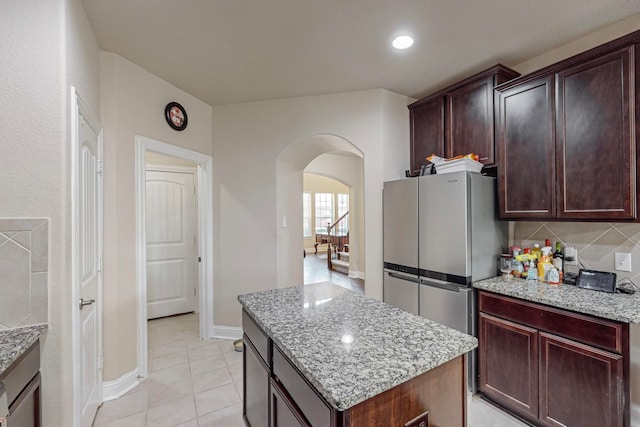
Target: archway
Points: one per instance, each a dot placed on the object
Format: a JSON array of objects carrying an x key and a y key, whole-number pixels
[{"x": 289, "y": 175}]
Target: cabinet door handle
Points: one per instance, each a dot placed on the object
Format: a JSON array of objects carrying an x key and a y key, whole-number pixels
[{"x": 83, "y": 303}]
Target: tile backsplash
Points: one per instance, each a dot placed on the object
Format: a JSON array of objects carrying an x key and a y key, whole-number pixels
[
  {"x": 596, "y": 242},
  {"x": 24, "y": 267}
]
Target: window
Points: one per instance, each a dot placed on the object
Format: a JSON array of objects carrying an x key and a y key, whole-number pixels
[
  {"x": 324, "y": 212},
  {"x": 306, "y": 214},
  {"x": 343, "y": 207}
]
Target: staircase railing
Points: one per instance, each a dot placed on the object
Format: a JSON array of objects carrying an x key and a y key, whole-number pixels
[{"x": 337, "y": 236}]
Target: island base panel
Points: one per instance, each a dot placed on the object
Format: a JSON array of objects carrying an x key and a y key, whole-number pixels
[{"x": 440, "y": 391}]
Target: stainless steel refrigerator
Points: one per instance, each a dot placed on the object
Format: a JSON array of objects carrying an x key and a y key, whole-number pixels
[{"x": 441, "y": 233}]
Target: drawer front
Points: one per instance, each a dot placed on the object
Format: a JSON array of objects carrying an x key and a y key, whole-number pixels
[
  {"x": 257, "y": 337},
  {"x": 25, "y": 410},
  {"x": 586, "y": 329},
  {"x": 284, "y": 412},
  {"x": 20, "y": 373},
  {"x": 310, "y": 403}
]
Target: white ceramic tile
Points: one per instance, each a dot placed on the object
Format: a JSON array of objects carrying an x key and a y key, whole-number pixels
[
  {"x": 136, "y": 420},
  {"x": 170, "y": 375},
  {"x": 233, "y": 357},
  {"x": 167, "y": 348},
  {"x": 168, "y": 393},
  {"x": 40, "y": 245},
  {"x": 205, "y": 352},
  {"x": 168, "y": 360},
  {"x": 211, "y": 379},
  {"x": 216, "y": 399},
  {"x": 227, "y": 417},
  {"x": 172, "y": 414},
  {"x": 207, "y": 364},
  {"x": 127, "y": 405},
  {"x": 236, "y": 371}
]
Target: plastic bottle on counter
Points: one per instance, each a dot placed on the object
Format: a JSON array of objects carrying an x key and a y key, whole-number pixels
[
  {"x": 536, "y": 251},
  {"x": 554, "y": 277},
  {"x": 532, "y": 273},
  {"x": 544, "y": 264}
]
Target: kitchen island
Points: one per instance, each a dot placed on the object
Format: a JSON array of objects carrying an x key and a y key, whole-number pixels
[{"x": 322, "y": 355}]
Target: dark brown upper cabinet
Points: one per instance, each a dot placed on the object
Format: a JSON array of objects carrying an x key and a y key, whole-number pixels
[
  {"x": 526, "y": 146},
  {"x": 427, "y": 132},
  {"x": 457, "y": 120},
  {"x": 566, "y": 137},
  {"x": 594, "y": 133}
]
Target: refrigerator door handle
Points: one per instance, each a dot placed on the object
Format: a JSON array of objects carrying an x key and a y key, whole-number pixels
[
  {"x": 402, "y": 276},
  {"x": 447, "y": 286}
]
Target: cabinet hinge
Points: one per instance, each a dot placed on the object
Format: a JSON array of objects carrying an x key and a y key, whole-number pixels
[
  {"x": 100, "y": 266},
  {"x": 99, "y": 167},
  {"x": 100, "y": 363}
]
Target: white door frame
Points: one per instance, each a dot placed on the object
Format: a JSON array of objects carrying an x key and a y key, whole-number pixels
[
  {"x": 204, "y": 197},
  {"x": 78, "y": 106}
]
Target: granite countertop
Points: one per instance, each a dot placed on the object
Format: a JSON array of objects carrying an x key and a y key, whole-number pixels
[
  {"x": 621, "y": 307},
  {"x": 14, "y": 342},
  {"x": 313, "y": 325}
]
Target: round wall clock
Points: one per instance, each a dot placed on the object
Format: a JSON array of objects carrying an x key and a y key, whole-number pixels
[{"x": 176, "y": 116}]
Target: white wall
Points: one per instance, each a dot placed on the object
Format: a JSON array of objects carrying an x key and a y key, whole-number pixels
[
  {"x": 47, "y": 46},
  {"x": 132, "y": 103},
  {"x": 248, "y": 139}
]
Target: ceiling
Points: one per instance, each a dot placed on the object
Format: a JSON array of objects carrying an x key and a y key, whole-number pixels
[{"x": 231, "y": 51}]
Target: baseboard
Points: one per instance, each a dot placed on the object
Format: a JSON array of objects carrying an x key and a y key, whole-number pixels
[
  {"x": 114, "y": 389},
  {"x": 356, "y": 274},
  {"x": 226, "y": 332},
  {"x": 635, "y": 414}
]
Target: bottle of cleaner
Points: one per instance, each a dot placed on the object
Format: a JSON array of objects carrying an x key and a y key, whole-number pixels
[
  {"x": 532, "y": 273},
  {"x": 554, "y": 277}
]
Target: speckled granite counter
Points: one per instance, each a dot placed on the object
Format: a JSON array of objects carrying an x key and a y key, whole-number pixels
[
  {"x": 620, "y": 307},
  {"x": 14, "y": 342},
  {"x": 313, "y": 324}
]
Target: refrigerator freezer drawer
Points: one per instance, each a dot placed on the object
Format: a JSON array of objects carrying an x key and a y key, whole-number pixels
[
  {"x": 448, "y": 305},
  {"x": 401, "y": 291}
]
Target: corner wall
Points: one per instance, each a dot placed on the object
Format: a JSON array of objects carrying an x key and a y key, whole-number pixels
[
  {"x": 248, "y": 138},
  {"x": 132, "y": 103}
]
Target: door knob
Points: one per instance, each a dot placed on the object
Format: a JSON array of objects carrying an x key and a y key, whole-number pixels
[{"x": 84, "y": 302}]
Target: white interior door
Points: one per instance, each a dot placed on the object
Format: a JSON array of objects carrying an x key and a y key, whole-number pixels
[
  {"x": 89, "y": 265},
  {"x": 170, "y": 218}
]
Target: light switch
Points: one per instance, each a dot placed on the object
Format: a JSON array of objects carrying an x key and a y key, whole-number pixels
[{"x": 622, "y": 261}]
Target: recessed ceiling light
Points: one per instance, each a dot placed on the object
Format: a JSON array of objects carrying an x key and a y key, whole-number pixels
[{"x": 402, "y": 42}]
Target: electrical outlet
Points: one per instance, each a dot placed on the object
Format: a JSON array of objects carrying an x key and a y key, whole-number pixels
[
  {"x": 622, "y": 261},
  {"x": 419, "y": 421}
]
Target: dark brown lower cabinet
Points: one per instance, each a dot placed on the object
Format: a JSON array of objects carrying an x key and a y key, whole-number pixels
[
  {"x": 25, "y": 410},
  {"x": 509, "y": 364},
  {"x": 255, "y": 387},
  {"x": 580, "y": 385},
  {"x": 22, "y": 381},
  {"x": 284, "y": 412},
  {"x": 553, "y": 367}
]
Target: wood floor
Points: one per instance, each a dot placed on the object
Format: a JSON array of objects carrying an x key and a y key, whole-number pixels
[{"x": 315, "y": 271}]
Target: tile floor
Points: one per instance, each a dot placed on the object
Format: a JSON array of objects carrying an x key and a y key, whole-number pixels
[{"x": 192, "y": 383}]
